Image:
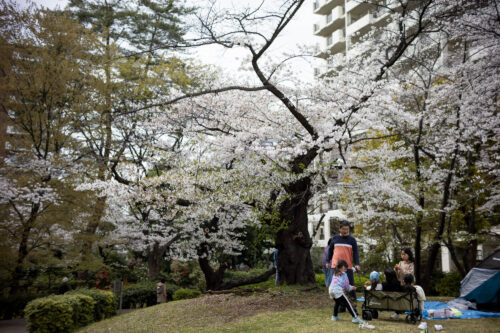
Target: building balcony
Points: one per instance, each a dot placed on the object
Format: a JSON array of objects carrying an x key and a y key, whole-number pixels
[
  {"x": 324, "y": 7},
  {"x": 335, "y": 43},
  {"x": 360, "y": 25},
  {"x": 333, "y": 21},
  {"x": 356, "y": 5}
]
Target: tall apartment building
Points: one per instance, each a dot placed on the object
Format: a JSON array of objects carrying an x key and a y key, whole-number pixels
[{"x": 343, "y": 22}]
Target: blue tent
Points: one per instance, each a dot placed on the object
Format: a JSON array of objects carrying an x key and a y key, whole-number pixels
[{"x": 482, "y": 283}]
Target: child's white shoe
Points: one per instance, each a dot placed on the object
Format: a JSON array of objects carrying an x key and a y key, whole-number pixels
[
  {"x": 395, "y": 316},
  {"x": 366, "y": 326}
]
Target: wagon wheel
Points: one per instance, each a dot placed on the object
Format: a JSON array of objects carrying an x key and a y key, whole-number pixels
[{"x": 367, "y": 315}]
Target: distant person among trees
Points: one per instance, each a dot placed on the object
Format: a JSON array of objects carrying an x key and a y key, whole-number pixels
[
  {"x": 406, "y": 265},
  {"x": 161, "y": 292},
  {"x": 344, "y": 247},
  {"x": 63, "y": 288}
]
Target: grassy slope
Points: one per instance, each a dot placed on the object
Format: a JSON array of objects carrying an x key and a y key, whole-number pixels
[{"x": 277, "y": 310}]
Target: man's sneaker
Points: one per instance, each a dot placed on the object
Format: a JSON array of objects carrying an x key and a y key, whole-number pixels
[
  {"x": 336, "y": 318},
  {"x": 356, "y": 320},
  {"x": 366, "y": 326},
  {"x": 395, "y": 316}
]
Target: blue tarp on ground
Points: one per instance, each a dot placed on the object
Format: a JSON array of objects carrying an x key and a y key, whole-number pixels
[{"x": 468, "y": 314}]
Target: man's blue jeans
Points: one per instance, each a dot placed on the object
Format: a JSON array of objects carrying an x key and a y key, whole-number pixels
[{"x": 328, "y": 275}]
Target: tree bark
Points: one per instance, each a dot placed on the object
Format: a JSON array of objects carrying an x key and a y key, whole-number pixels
[
  {"x": 155, "y": 260},
  {"x": 261, "y": 278},
  {"x": 23, "y": 251},
  {"x": 433, "y": 252},
  {"x": 213, "y": 278},
  {"x": 293, "y": 242}
]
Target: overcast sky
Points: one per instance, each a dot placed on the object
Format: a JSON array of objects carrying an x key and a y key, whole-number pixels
[{"x": 298, "y": 32}]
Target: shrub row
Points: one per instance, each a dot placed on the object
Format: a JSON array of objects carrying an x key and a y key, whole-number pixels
[
  {"x": 144, "y": 294},
  {"x": 65, "y": 313},
  {"x": 184, "y": 293}
]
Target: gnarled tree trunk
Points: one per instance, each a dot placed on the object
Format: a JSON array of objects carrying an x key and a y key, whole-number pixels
[{"x": 294, "y": 242}]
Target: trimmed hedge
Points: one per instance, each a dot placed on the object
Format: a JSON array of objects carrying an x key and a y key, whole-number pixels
[
  {"x": 184, "y": 293},
  {"x": 144, "y": 294},
  {"x": 105, "y": 302},
  {"x": 52, "y": 314},
  {"x": 83, "y": 309},
  {"x": 65, "y": 313}
]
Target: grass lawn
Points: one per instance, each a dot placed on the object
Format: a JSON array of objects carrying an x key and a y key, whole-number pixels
[{"x": 277, "y": 310}]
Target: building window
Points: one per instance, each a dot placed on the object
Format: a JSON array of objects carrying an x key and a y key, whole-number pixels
[{"x": 329, "y": 41}]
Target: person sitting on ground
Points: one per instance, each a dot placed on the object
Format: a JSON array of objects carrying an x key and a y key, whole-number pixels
[
  {"x": 391, "y": 281},
  {"x": 339, "y": 284},
  {"x": 410, "y": 286},
  {"x": 374, "y": 282}
]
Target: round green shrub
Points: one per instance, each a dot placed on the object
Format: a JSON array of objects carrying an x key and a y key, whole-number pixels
[
  {"x": 51, "y": 314},
  {"x": 105, "y": 302},
  {"x": 184, "y": 293},
  {"x": 83, "y": 309},
  {"x": 138, "y": 295}
]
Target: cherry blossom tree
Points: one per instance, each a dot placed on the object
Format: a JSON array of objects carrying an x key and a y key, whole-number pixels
[{"x": 441, "y": 115}]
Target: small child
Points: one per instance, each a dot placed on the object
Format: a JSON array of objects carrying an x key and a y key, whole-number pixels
[
  {"x": 373, "y": 283},
  {"x": 409, "y": 286},
  {"x": 339, "y": 284}
]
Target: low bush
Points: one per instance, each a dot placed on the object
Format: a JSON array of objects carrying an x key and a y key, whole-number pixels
[
  {"x": 144, "y": 294},
  {"x": 230, "y": 275},
  {"x": 139, "y": 295},
  {"x": 83, "y": 309},
  {"x": 184, "y": 293},
  {"x": 320, "y": 280},
  {"x": 105, "y": 302},
  {"x": 52, "y": 314},
  {"x": 449, "y": 284}
]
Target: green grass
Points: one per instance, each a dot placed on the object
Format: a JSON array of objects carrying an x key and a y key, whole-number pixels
[{"x": 279, "y": 309}]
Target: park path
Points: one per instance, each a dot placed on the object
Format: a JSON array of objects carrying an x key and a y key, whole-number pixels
[{"x": 19, "y": 325}]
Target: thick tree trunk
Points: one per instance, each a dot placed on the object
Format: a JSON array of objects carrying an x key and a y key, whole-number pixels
[
  {"x": 293, "y": 242},
  {"x": 213, "y": 278},
  {"x": 155, "y": 261}
]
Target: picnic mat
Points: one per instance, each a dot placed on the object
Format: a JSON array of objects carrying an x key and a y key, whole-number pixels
[{"x": 467, "y": 314}]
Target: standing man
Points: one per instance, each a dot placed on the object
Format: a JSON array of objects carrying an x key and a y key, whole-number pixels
[{"x": 344, "y": 247}]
